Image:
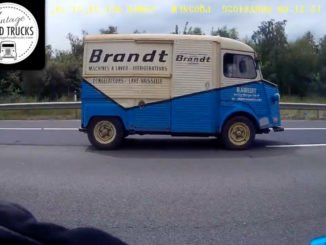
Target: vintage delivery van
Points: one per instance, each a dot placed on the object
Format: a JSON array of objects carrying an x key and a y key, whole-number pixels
[{"x": 177, "y": 85}]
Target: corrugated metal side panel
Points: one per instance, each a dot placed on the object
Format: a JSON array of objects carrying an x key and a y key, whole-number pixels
[
  {"x": 129, "y": 103},
  {"x": 191, "y": 77},
  {"x": 274, "y": 107},
  {"x": 143, "y": 92},
  {"x": 127, "y": 58},
  {"x": 249, "y": 98},
  {"x": 252, "y": 94},
  {"x": 151, "y": 118},
  {"x": 196, "y": 113},
  {"x": 96, "y": 104},
  {"x": 130, "y": 91},
  {"x": 90, "y": 94}
]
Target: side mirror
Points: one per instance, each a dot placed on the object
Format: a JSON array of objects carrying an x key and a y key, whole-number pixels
[{"x": 257, "y": 62}]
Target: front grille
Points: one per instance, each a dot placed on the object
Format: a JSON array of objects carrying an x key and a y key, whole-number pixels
[{"x": 8, "y": 51}]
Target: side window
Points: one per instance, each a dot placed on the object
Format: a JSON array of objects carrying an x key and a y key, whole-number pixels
[{"x": 239, "y": 66}]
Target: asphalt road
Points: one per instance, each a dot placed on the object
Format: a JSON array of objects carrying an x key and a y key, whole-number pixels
[{"x": 163, "y": 190}]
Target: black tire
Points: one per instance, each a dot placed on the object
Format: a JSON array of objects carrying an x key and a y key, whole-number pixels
[
  {"x": 238, "y": 133},
  {"x": 106, "y": 133}
]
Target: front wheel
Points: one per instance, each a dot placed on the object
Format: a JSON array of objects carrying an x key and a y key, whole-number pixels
[
  {"x": 106, "y": 133},
  {"x": 238, "y": 133}
]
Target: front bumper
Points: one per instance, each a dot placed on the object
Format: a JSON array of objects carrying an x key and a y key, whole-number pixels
[
  {"x": 278, "y": 129},
  {"x": 83, "y": 130}
]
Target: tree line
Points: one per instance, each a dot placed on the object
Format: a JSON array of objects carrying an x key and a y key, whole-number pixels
[{"x": 298, "y": 67}]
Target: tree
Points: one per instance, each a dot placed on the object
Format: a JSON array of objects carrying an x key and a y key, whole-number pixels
[
  {"x": 109, "y": 30},
  {"x": 138, "y": 32},
  {"x": 270, "y": 37},
  {"x": 301, "y": 65},
  {"x": 176, "y": 30},
  {"x": 247, "y": 40},
  {"x": 225, "y": 32},
  {"x": 185, "y": 29},
  {"x": 62, "y": 74},
  {"x": 271, "y": 44},
  {"x": 320, "y": 84},
  {"x": 33, "y": 83},
  {"x": 10, "y": 83},
  {"x": 48, "y": 52},
  {"x": 194, "y": 31},
  {"x": 188, "y": 30},
  {"x": 77, "y": 45}
]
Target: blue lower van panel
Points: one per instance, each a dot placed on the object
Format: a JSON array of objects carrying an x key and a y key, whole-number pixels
[
  {"x": 94, "y": 103},
  {"x": 152, "y": 118},
  {"x": 198, "y": 113}
]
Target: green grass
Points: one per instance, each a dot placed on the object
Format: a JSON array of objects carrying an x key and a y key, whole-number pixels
[
  {"x": 294, "y": 99},
  {"x": 303, "y": 114},
  {"x": 63, "y": 114},
  {"x": 24, "y": 99}
]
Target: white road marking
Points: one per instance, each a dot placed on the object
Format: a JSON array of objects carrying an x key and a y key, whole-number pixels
[
  {"x": 39, "y": 129},
  {"x": 59, "y": 129},
  {"x": 21, "y": 129},
  {"x": 302, "y": 129},
  {"x": 291, "y": 146}
]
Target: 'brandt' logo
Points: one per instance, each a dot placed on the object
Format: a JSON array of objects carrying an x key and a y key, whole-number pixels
[
  {"x": 193, "y": 58},
  {"x": 98, "y": 56},
  {"x": 19, "y": 33}
]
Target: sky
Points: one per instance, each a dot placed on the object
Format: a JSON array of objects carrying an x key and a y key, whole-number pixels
[{"x": 161, "y": 16}]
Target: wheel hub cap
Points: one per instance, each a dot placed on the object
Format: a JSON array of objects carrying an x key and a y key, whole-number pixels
[
  {"x": 239, "y": 133},
  {"x": 104, "y": 132}
]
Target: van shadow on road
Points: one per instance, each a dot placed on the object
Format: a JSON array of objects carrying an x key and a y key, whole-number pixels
[{"x": 179, "y": 148}]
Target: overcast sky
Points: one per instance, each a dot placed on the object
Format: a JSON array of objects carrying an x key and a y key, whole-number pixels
[{"x": 73, "y": 16}]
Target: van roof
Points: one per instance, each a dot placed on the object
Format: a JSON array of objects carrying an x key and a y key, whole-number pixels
[{"x": 226, "y": 43}]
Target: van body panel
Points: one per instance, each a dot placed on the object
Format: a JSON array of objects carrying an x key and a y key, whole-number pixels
[
  {"x": 203, "y": 112},
  {"x": 174, "y": 84}
]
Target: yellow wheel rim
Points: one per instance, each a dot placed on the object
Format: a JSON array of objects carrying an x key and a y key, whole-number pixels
[
  {"x": 104, "y": 132},
  {"x": 239, "y": 134}
]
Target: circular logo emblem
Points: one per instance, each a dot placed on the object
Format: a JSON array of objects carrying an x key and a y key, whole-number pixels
[{"x": 19, "y": 33}]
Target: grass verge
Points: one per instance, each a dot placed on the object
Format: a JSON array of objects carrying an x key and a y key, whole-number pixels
[{"x": 63, "y": 114}]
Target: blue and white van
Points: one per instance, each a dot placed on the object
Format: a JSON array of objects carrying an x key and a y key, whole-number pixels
[{"x": 180, "y": 85}]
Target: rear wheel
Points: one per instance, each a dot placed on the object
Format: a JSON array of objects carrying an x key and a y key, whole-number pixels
[
  {"x": 238, "y": 133},
  {"x": 106, "y": 133}
]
